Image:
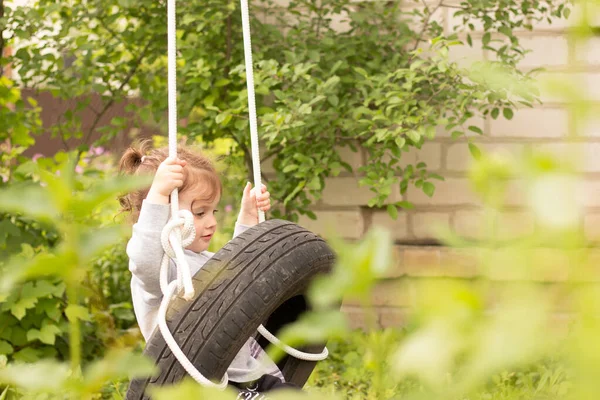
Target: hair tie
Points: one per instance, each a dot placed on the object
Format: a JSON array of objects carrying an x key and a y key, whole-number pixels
[{"x": 142, "y": 159}]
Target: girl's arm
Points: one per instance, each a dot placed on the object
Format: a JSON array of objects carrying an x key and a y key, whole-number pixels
[
  {"x": 248, "y": 216},
  {"x": 145, "y": 249}
]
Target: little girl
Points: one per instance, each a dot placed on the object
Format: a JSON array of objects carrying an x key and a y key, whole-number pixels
[{"x": 199, "y": 192}]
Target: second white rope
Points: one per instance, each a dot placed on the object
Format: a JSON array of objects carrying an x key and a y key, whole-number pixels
[{"x": 256, "y": 170}]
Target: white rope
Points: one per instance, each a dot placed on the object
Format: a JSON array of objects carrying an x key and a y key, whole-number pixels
[
  {"x": 290, "y": 350},
  {"x": 251, "y": 104},
  {"x": 256, "y": 170},
  {"x": 171, "y": 237}
]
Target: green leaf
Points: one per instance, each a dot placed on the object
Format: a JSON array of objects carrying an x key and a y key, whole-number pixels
[
  {"x": 5, "y": 347},
  {"x": 19, "y": 309},
  {"x": 508, "y": 113},
  {"x": 289, "y": 168},
  {"x": 43, "y": 375},
  {"x": 495, "y": 112},
  {"x": 333, "y": 100},
  {"x": 414, "y": 136},
  {"x": 75, "y": 311},
  {"x": 106, "y": 190},
  {"x": 566, "y": 12},
  {"x": 4, "y": 393},
  {"x": 428, "y": 188},
  {"x": 362, "y": 72},
  {"x": 475, "y": 129},
  {"x": 475, "y": 152},
  {"x": 222, "y": 82},
  {"x": 41, "y": 265},
  {"x": 400, "y": 142},
  {"x": 405, "y": 204},
  {"x": 296, "y": 190},
  {"x": 50, "y": 307},
  {"x": 485, "y": 40},
  {"x": 118, "y": 365},
  {"x": 456, "y": 134},
  {"x": 46, "y": 334},
  {"x": 392, "y": 211},
  {"x": 96, "y": 240},
  {"x": 221, "y": 117},
  {"x": 190, "y": 389},
  {"x": 29, "y": 200}
]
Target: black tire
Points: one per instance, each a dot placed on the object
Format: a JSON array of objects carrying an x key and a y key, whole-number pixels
[{"x": 258, "y": 277}]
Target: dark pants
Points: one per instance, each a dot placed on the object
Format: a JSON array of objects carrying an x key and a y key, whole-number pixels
[{"x": 266, "y": 383}]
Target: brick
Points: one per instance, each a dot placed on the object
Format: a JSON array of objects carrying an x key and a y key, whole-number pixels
[
  {"x": 396, "y": 269},
  {"x": 591, "y": 82},
  {"x": 590, "y": 127},
  {"x": 587, "y": 85},
  {"x": 590, "y": 196},
  {"x": 355, "y": 316},
  {"x": 549, "y": 264},
  {"x": 535, "y": 265},
  {"x": 532, "y": 123},
  {"x": 430, "y": 153},
  {"x": 589, "y": 52},
  {"x": 460, "y": 262},
  {"x": 421, "y": 260},
  {"x": 452, "y": 191},
  {"x": 584, "y": 157},
  {"x": 591, "y": 224},
  {"x": 345, "y": 191},
  {"x": 437, "y": 261},
  {"x": 469, "y": 223},
  {"x": 547, "y": 82},
  {"x": 459, "y": 158},
  {"x": 397, "y": 227},
  {"x": 541, "y": 55},
  {"x": 426, "y": 225},
  {"x": 515, "y": 224},
  {"x": 393, "y": 293},
  {"x": 393, "y": 317},
  {"x": 510, "y": 224},
  {"x": 345, "y": 224},
  {"x": 340, "y": 22},
  {"x": 353, "y": 158}
]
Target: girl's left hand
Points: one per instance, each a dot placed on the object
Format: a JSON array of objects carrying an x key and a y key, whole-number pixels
[{"x": 251, "y": 204}]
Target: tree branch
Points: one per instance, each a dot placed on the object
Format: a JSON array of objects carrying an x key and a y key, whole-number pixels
[
  {"x": 426, "y": 24},
  {"x": 109, "y": 104}
]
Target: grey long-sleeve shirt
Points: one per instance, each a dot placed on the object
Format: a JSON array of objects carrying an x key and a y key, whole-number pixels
[{"x": 145, "y": 254}]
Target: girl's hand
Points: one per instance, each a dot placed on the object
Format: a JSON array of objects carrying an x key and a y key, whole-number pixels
[
  {"x": 168, "y": 176},
  {"x": 250, "y": 203}
]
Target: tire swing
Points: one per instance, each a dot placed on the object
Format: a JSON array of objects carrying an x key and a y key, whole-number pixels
[{"x": 255, "y": 283}]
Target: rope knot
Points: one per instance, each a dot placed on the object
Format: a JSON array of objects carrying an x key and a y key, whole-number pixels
[
  {"x": 177, "y": 234},
  {"x": 171, "y": 238}
]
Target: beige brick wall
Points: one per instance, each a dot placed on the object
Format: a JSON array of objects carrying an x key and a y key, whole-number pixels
[{"x": 454, "y": 206}]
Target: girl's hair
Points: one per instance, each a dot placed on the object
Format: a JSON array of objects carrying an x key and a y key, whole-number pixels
[{"x": 142, "y": 159}]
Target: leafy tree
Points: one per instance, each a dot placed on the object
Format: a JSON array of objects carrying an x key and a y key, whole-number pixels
[{"x": 383, "y": 83}]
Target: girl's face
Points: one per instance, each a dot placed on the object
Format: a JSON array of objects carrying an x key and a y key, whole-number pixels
[{"x": 204, "y": 218}]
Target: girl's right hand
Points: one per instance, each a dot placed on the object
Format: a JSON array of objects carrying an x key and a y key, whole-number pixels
[{"x": 168, "y": 176}]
